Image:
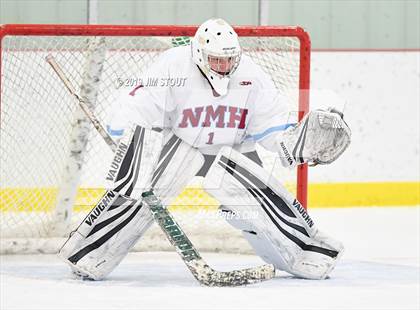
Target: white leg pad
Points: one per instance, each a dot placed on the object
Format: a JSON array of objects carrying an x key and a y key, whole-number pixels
[
  {"x": 118, "y": 221},
  {"x": 104, "y": 237},
  {"x": 281, "y": 231}
]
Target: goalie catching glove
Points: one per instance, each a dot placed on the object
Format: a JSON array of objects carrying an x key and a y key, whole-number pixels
[{"x": 319, "y": 138}]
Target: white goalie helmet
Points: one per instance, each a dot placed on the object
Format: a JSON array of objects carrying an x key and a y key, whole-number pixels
[{"x": 216, "y": 51}]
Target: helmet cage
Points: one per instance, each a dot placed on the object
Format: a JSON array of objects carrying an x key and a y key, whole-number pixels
[{"x": 210, "y": 65}]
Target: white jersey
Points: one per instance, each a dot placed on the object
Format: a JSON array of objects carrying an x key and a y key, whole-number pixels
[{"x": 175, "y": 94}]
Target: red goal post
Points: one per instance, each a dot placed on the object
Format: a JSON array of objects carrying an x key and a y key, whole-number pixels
[{"x": 18, "y": 43}]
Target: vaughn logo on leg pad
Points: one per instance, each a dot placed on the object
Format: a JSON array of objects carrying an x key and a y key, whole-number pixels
[
  {"x": 95, "y": 213},
  {"x": 118, "y": 158},
  {"x": 302, "y": 211}
]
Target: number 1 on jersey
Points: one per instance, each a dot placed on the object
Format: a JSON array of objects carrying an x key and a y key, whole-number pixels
[{"x": 211, "y": 136}]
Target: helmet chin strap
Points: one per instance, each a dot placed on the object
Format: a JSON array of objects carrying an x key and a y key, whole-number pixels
[{"x": 222, "y": 73}]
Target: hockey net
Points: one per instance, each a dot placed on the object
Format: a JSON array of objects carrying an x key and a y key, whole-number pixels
[{"x": 53, "y": 163}]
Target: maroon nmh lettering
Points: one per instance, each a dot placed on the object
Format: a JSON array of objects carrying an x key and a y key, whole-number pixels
[{"x": 236, "y": 116}]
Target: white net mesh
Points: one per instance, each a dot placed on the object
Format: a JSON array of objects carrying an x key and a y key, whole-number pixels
[{"x": 38, "y": 119}]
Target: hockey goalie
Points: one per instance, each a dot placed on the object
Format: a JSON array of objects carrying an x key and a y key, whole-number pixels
[{"x": 209, "y": 126}]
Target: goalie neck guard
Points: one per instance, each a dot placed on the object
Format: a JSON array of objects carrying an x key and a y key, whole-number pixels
[{"x": 216, "y": 51}]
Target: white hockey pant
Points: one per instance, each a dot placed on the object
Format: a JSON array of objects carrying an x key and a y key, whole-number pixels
[
  {"x": 118, "y": 221},
  {"x": 280, "y": 230}
]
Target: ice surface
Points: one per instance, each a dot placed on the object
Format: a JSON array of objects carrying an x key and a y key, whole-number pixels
[{"x": 379, "y": 270}]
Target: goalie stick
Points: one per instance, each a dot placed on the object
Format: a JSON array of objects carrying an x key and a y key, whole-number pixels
[
  {"x": 98, "y": 126},
  {"x": 189, "y": 254}
]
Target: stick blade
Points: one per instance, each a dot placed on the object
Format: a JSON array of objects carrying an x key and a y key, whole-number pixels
[{"x": 209, "y": 277}]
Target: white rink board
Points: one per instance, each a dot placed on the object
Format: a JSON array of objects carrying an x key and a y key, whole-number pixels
[{"x": 380, "y": 92}]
